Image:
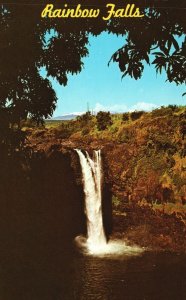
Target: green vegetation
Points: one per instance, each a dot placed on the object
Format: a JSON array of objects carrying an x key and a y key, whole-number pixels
[
  {"x": 125, "y": 117},
  {"x": 136, "y": 115},
  {"x": 124, "y": 127},
  {"x": 104, "y": 120},
  {"x": 147, "y": 155},
  {"x": 24, "y": 93},
  {"x": 145, "y": 163},
  {"x": 115, "y": 202}
]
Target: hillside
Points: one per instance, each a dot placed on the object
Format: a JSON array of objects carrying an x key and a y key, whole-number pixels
[
  {"x": 144, "y": 166},
  {"x": 150, "y": 151}
]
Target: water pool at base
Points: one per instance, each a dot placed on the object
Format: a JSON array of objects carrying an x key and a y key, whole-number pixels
[{"x": 56, "y": 270}]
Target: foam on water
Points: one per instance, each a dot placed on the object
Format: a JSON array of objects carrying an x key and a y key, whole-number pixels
[{"x": 116, "y": 248}]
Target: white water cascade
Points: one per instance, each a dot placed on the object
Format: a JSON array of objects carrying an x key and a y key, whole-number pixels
[
  {"x": 92, "y": 176},
  {"x": 96, "y": 241}
]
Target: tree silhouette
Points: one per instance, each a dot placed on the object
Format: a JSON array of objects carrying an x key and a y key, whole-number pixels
[
  {"x": 24, "y": 50},
  {"x": 154, "y": 40}
]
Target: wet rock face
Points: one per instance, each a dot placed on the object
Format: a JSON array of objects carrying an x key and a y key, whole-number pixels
[
  {"x": 56, "y": 178},
  {"x": 59, "y": 192},
  {"x": 43, "y": 200},
  {"x": 75, "y": 164}
]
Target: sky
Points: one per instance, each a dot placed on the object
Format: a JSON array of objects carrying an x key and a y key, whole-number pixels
[{"x": 100, "y": 86}]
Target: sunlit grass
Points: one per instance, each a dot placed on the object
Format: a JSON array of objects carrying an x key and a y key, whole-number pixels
[{"x": 53, "y": 123}]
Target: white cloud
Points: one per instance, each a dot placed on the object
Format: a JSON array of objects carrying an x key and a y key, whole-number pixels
[
  {"x": 116, "y": 108},
  {"x": 143, "y": 106},
  {"x": 78, "y": 113},
  {"x": 119, "y": 108}
]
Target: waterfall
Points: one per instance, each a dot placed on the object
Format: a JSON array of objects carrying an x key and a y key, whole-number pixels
[{"x": 92, "y": 175}]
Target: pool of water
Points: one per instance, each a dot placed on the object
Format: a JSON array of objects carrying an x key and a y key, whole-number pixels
[
  {"x": 58, "y": 270},
  {"x": 128, "y": 276}
]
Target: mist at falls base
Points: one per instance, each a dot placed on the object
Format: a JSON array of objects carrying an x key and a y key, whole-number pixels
[{"x": 96, "y": 242}]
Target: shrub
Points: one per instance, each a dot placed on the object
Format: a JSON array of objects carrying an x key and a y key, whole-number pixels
[
  {"x": 125, "y": 135},
  {"x": 103, "y": 120},
  {"x": 85, "y": 118},
  {"x": 182, "y": 125},
  {"x": 115, "y": 201},
  {"x": 85, "y": 131},
  {"x": 64, "y": 130},
  {"x": 173, "y": 107},
  {"x": 125, "y": 117},
  {"x": 162, "y": 111},
  {"x": 136, "y": 115}
]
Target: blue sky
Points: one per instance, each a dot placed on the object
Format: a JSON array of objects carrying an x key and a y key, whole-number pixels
[{"x": 101, "y": 86}]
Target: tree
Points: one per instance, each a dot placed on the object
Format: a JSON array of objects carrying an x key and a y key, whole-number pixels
[
  {"x": 24, "y": 51},
  {"x": 155, "y": 35},
  {"x": 103, "y": 120},
  {"x": 25, "y": 48}
]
